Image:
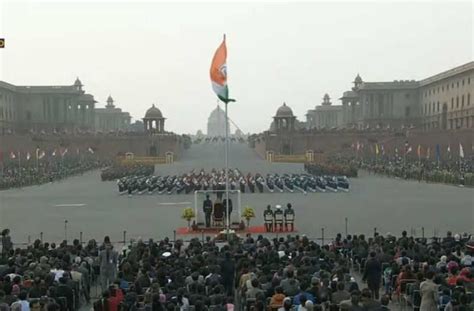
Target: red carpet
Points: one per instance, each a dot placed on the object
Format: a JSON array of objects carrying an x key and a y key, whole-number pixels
[{"x": 251, "y": 229}]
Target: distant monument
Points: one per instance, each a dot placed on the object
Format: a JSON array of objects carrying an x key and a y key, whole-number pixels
[{"x": 216, "y": 123}]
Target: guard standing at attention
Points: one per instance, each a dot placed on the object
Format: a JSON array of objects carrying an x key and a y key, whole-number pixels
[
  {"x": 207, "y": 208},
  {"x": 289, "y": 217}
]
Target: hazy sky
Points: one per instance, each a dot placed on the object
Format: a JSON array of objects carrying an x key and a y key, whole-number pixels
[{"x": 144, "y": 53}]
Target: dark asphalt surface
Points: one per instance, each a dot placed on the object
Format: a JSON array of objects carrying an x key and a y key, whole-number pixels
[{"x": 96, "y": 209}]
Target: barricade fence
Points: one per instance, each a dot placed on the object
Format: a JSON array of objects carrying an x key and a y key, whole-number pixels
[{"x": 322, "y": 238}]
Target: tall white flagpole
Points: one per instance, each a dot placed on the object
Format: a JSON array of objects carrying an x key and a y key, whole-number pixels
[
  {"x": 19, "y": 166},
  {"x": 227, "y": 169}
]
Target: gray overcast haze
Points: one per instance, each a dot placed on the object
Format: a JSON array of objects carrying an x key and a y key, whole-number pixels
[{"x": 144, "y": 53}]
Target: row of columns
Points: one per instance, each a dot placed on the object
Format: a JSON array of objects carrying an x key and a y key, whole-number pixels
[
  {"x": 154, "y": 125},
  {"x": 284, "y": 123},
  {"x": 77, "y": 114}
]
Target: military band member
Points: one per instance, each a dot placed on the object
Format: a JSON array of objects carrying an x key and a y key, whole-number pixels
[
  {"x": 289, "y": 217},
  {"x": 268, "y": 218},
  {"x": 278, "y": 217}
]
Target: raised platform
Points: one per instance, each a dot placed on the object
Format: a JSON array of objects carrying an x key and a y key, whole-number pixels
[{"x": 251, "y": 229}]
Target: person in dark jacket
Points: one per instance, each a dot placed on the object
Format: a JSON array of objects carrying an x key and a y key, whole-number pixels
[
  {"x": 7, "y": 244},
  {"x": 228, "y": 273},
  {"x": 207, "y": 208},
  {"x": 63, "y": 290},
  {"x": 373, "y": 274}
]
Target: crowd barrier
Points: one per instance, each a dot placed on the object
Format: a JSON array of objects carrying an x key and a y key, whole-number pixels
[{"x": 322, "y": 238}]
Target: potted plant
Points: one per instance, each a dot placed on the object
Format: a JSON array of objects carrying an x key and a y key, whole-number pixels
[
  {"x": 188, "y": 215},
  {"x": 248, "y": 214}
]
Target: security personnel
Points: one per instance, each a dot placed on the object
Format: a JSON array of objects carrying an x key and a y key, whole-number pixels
[
  {"x": 289, "y": 217},
  {"x": 278, "y": 217},
  {"x": 268, "y": 218},
  {"x": 207, "y": 208}
]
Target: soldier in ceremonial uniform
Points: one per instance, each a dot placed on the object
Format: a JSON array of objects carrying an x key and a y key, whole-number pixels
[
  {"x": 268, "y": 218},
  {"x": 278, "y": 217},
  {"x": 207, "y": 208},
  {"x": 289, "y": 217}
]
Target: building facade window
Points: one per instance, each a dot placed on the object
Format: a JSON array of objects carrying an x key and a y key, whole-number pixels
[
  {"x": 462, "y": 101},
  {"x": 468, "y": 99}
]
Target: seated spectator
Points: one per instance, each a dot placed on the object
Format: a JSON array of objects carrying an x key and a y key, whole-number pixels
[
  {"x": 384, "y": 301},
  {"x": 368, "y": 302},
  {"x": 353, "y": 304},
  {"x": 308, "y": 296},
  {"x": 287, "y": 305},
  {"x": 3, "y": 305},
  {"x": 309, "y": 306},
  {"x": 116, "y": 297},
  {"x": 182, "y": 301},
  {"x": 290, "y": 285},
  {"x": 63, "y": 290},
  {"x": 301, "y": 303},
  {"x": 254, "y": 290},
  {"x": 314, "y": 289},
  {"x": 340, "y": 295},
  {"x": 22, "y": 303},
  {"x": 217, "y": 296},
  {"x": 277, "y": 299}
]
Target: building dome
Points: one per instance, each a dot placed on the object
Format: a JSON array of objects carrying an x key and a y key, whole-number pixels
[
  {"x": 110, "y": 101},
  {"x": 358, "y": 79},
  {"x": 78, "y": 82},
  {"x": 217, "y": 114},
  {"x": 326, "y": 100},
  {"x": 153, "y": 113},
  {"x": 216, "y": 123},
  {"x": 284, "y": 111}
]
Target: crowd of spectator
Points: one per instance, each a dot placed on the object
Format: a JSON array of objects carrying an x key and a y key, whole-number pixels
[
  {"x": 286, "y": 273},
  {"x": 16, "y": 174}
]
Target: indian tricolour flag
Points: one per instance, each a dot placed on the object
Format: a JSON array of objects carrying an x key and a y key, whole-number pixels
[{"x": 219, "y": 73}]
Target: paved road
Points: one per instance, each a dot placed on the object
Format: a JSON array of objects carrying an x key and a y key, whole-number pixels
[{"x": 95, "y": 208}]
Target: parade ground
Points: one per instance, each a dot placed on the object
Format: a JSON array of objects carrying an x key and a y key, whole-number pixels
[{"x": 96, "y": 209}]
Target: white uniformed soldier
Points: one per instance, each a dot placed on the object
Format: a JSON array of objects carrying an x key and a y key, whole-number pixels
[
  {"x": 278, "y": 217},
  {"x": 289, "y": 217},
  {"x": 268, "y": 218}
]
